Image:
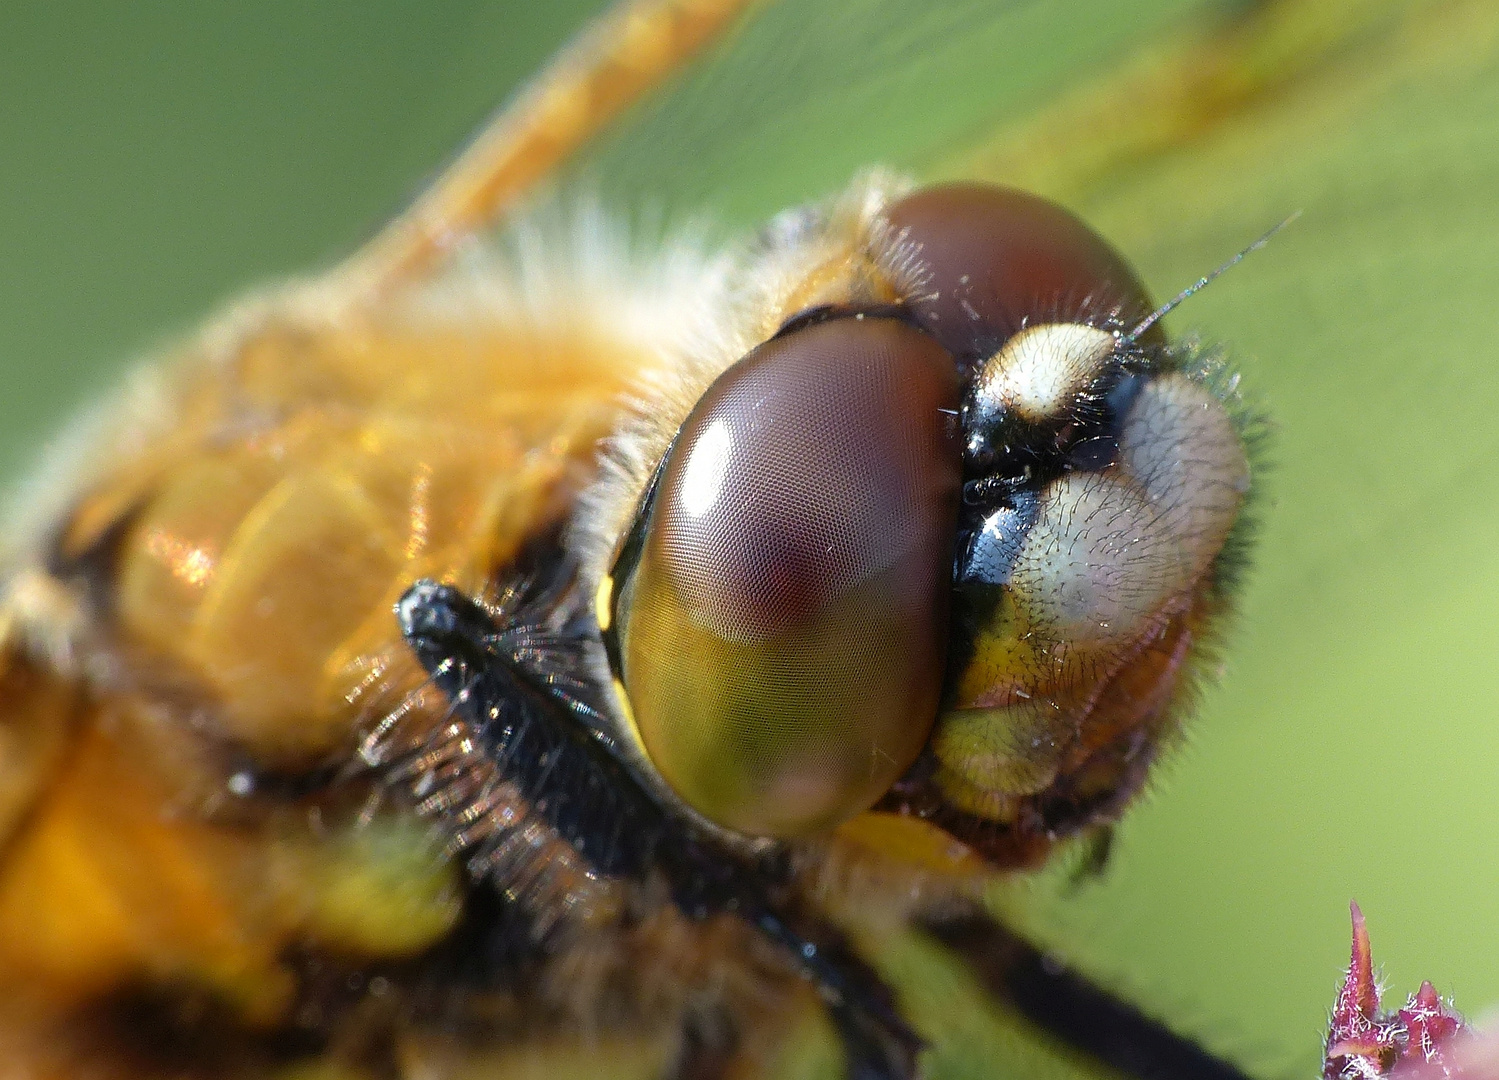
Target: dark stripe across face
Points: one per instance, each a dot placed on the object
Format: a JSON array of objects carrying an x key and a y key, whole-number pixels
[{"x": 782, "y": 636}]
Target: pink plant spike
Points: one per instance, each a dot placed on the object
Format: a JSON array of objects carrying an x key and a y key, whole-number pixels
[{"x": 1417, "y": 1042}]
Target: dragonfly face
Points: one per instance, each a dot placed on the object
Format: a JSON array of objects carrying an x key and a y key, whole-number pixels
[
  {"x": 717, "y": 645},
  {"x": 1036, "y": 506}
]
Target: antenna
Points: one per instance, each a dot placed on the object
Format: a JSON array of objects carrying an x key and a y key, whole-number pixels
[{"x": 1171, "y": 305}]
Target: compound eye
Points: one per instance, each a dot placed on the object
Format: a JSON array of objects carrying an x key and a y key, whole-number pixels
[
  {"x": 1001, "y": 260},
  {"x": 781, "y": 633}
]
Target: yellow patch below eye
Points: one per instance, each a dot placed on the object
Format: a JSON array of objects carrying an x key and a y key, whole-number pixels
[
  {"x": 909, "y": 840},
  {"x": 1042, "y": 371},
  {"x": 603, "y": 603},
  {"x": 622, "y": 701}
]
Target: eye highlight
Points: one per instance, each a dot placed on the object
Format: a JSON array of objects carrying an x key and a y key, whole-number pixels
[{"x": 780, "y": 623}]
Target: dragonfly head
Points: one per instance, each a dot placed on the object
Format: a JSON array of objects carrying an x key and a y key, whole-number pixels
[{"x": 943, "y": 544}]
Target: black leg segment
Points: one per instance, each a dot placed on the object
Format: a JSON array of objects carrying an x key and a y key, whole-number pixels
[{"x": 1071, "y": 1008}]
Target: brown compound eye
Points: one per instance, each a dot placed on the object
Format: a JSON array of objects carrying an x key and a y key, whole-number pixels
[
  {"x": 1001, "y": 260},
  {"x": 781, "y": 632}
]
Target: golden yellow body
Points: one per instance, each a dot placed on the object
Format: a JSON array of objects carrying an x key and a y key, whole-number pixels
[{"x": 250, "y": 554}]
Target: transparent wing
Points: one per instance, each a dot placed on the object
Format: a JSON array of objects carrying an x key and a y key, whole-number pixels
[{"x": 810, "y": 92}]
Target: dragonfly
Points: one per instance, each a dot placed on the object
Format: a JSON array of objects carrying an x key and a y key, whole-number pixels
[{"x": 626, "y": 158}]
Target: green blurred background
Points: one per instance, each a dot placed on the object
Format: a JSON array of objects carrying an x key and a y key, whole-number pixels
[{"x": 156, "y": 158}]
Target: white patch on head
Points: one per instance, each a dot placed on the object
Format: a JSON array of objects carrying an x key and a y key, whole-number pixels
[
  {"x": 1042, "y": 370},
  {"x": 1097, "y": 564},
  {"x": 1178, "y": 444}
]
